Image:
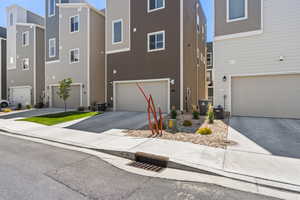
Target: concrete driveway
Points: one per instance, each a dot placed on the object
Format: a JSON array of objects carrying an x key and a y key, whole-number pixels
[
  {"x": 112, "y": 120},
  {"x": 31, "y": 113},
  {"x": 280, "y": 137}
]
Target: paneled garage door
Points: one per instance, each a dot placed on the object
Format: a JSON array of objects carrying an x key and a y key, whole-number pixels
[
  {"x": 129, "y": 98},
  {"x": 72, "y": 102},
  {"x": 20, "y": 95},
  {"x": 266, "y": 96}
]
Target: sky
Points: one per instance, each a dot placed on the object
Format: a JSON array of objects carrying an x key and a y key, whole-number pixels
[{"x": 37, "y": 6}]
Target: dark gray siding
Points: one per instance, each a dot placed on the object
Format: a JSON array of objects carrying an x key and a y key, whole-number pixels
[
  {"x": 52, "y": 30},
  {"x": 3, "y": 70}
]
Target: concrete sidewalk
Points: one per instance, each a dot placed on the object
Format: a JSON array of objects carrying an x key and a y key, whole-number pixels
[{"x": 261, "y": 169}]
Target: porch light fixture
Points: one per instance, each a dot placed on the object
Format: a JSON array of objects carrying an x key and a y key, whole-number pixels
[{"x": 224, "y": 78}]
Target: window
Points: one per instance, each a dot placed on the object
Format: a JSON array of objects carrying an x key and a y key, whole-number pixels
[
  {"x": 25, "y": 39},
  {"x": 74, "y": 56},
  {"x": 74, "y": 22},
  {"x": 237, "y": 10},
  {"x": 25, "y": 64},
  {"x": 209, "y": 59},
  {"x": 156, "y": 41},
  {"x": 52, "y": 47},
  {"x": 154, "y": 5},
  {"x": 117, "y": 31},
  {"x": 198, "y": 23},
  {"x": 11, "y": 19},
  {"x": 51, "y": 8}
]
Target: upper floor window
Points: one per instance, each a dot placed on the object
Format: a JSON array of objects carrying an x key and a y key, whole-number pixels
[
  {"x": 237, "y": 10},
  {"x": 74, "y": 56},
  {"x": 117, "y": 31},
  {"x": 155, "y": 5},
  {"x": 156, "y": 41},
  {"x": 74, "y": 24},
  {"x": 51, "y": 8},
  {"x": 11, "y": 19},
  {"x": 52, "y": 47},
  {"x": 25, "y": 39},
  {"x": 209, "y": 59},
  {"x": 25, "y": 64}
]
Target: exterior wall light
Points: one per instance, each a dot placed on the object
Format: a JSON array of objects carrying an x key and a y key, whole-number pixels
[
  {"x": 224, "y": 78},
  {"x": 172, "y": 82}
]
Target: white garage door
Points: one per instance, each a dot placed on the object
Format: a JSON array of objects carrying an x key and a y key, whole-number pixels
[
  {"x": 20, "y": 95},
  {"x": 129, "y": 98},
  {"x": 266, "y": 96},
  {"x": 72, "y": 102}
]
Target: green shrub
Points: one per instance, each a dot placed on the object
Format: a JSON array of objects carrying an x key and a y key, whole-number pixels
[
  {"x": 196, "y": 114},
  {"x": 173, "y": 114},
  {"x": 210, "y": 115},
  {"x": 187, "y": 123},
  {"x": 19, "y": 106},
  {"x": 80, "y": 109},
  {"x": 28, "y": 107},
  {"x": 7, "y": 110},
  {"x": 204, "y": 131}
]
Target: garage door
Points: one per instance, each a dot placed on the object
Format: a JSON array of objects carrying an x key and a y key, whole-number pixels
[
  {"x": 129, "y": 98},
  {"x": 20, "y": 95},
  {"x": 72, "y": 102},
  {"x": 266, "y": 96}
]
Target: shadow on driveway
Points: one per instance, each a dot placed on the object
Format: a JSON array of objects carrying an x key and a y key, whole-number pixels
[
  {"x": 281, "y": 137},
  {"x": 32, "y": 113},
  {"x": 112, "y": 120}
]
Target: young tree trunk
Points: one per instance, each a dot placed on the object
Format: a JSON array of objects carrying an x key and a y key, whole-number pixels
[{"x": 65, "y": 106}]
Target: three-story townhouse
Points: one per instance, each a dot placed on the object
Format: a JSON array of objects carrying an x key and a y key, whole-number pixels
[
  {"x": 159, "y": 44},
  {"x": 25, "y": 56},
  {"x": 75, "y": 48},
  {"x": 257, "y": 56}
]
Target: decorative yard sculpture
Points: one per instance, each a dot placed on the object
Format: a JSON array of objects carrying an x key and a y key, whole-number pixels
[{"x": 157, "y": 126}]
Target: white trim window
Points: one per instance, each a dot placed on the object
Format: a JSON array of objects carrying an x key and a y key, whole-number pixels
[
  {"x": 117, "y": 31},
  {"x": 52, "y": 47},
  {"x": 237, "y": 10},
  {"x": 154, "y": 5},
  {"x": 156, "y": 41},
  {"x": 25, "y": 64},
  {"x": 25, "y": 39},
  {"x": 74, "y": 24},
  {"x": 74, "y": 56},
  {"x": 51, "y": 8}
]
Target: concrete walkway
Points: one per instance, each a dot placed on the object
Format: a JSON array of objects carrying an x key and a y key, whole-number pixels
[{"x": 261, "y": 169}]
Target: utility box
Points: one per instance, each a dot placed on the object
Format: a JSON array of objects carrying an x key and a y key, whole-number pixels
[{"x": 219, "y": 112}]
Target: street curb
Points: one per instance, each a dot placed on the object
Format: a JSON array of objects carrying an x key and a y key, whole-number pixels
[{"x": 174, "y": 165}]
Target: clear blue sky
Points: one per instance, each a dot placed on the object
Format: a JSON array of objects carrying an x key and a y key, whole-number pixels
[{"x": 37, "y": 6}]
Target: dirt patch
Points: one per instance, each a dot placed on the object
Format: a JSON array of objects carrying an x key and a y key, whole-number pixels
[{"x": 217, "y": 139}]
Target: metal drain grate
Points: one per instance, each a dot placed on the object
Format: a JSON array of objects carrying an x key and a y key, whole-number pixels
[{"x": 145, "y": 166}]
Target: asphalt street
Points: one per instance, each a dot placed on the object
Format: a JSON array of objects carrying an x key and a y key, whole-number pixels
[{"x": 33, "y": 171}]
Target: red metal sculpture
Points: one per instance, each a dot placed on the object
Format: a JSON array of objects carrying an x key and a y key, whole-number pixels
[{"x": 157, "y": 126}]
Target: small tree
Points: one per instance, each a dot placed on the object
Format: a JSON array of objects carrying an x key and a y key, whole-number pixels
[{"x": 64, "y": 90}]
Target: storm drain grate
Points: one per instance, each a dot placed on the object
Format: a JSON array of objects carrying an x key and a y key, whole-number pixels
[{"x": 145, "y": 166}]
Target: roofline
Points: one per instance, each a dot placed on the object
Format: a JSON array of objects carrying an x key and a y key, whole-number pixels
[
  {"x": 30, "y": 24},
  {"x": 80, "y": 5},
  {"x": 17, "y": 6},
  {"x": 2, "y": 38}
]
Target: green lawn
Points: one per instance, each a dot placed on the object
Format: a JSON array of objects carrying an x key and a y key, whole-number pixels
[{"x": 58, "y": 118}]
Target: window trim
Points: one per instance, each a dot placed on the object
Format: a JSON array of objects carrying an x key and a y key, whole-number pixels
[
  {"x": 228, "y": 20},
  {"x": 70, "y": 56},
  {"x": 54, "y": 11},
  {"x": 70, "y": 24},
  {"x": 27, "y": 59},
  {"x": 156, "y": 9},
  {"x": 113, "y": 31},
  {"x": 209, "y": 63},
  {"x": 26, "y": 40},
  {"x": 49, "y": 47},
  {"x": 164, "y": 41}
]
